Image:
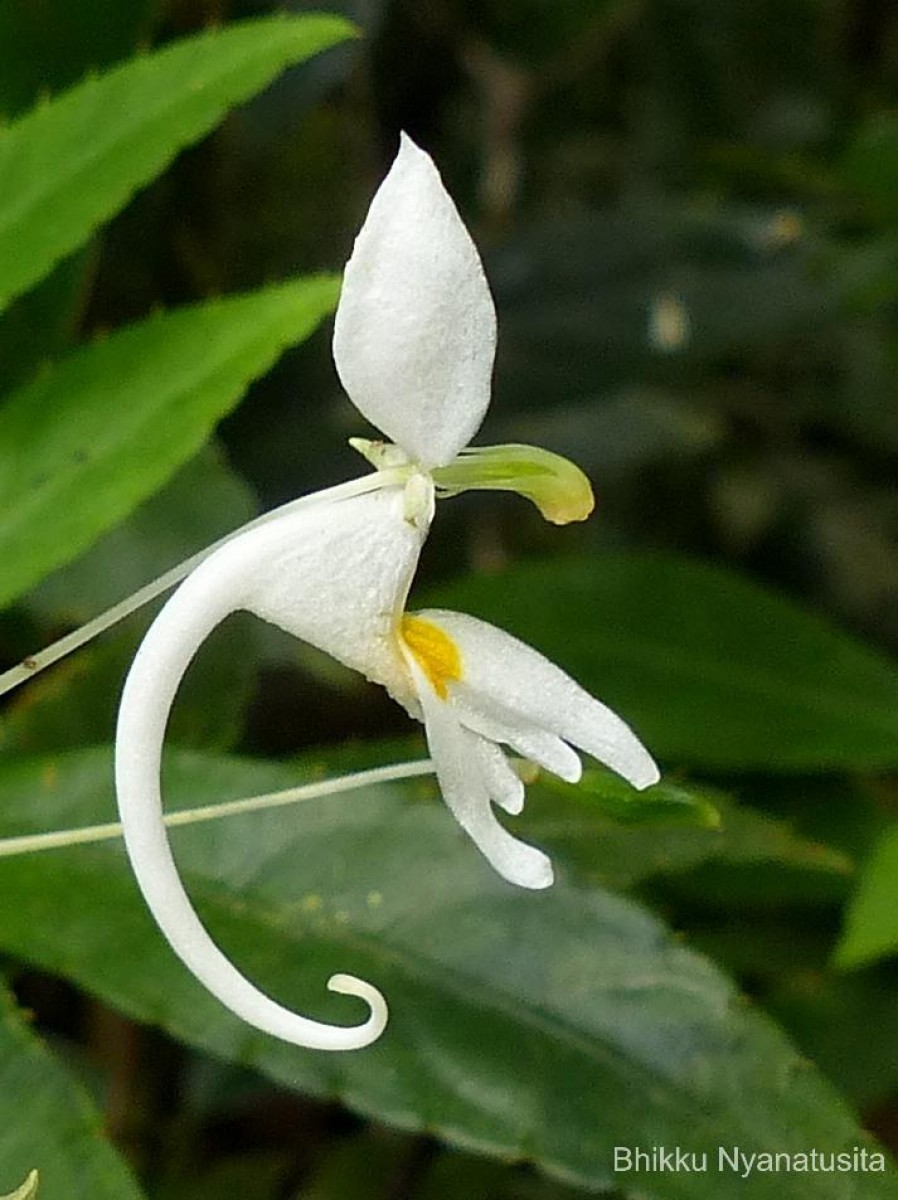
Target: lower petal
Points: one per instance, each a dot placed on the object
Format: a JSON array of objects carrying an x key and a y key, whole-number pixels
[
  {"x": 499, "y": 670},
  {"x": 466, "y": 786}
]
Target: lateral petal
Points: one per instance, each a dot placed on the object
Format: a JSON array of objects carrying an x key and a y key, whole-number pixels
[
  {"x": 505, "y": 787},
  {"x": 415, "y": 331},
  {"x": 484, "y": 715},
  {"x": 466, "y": 789},
  {"x": 497, "y": 667}
]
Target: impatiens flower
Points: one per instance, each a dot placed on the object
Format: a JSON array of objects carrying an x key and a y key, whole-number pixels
[{"x": 414, "y": 342}]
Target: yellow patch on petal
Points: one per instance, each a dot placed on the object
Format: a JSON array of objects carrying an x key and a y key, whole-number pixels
[{"x": 438, "y": 656}]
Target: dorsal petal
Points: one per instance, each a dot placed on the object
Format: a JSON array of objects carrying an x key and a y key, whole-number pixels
[{"x": 415, "y": 332}]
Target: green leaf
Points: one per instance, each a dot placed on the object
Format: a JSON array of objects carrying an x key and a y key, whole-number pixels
[
  {"x": 75, "y": 704},
  {"x": 712, "y": 670},
  {"x": 82, "y": 445},
  {"x": 44, "y": 48},
  {"x": 871, "y": 922},
  {"x": 73, "y": 162},
  {"x": 832, "y": 1018},
  {"x": 542, "y": 1027},
  {"x": 47, "y": 1123},
  {"x": 27, "y": 1191},
  {"x": 662, "y": 803},
  {"x": 41, "y": 325},
  {"x": 602, "y": 836},
  {"x": 871, "y": 161},
  {"x": 48, "y": 46},
  {"x": 202, "y": 502}
]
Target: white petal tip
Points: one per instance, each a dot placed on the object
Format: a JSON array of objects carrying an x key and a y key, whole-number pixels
[
  {"x": 573, "y": 772},
  {"x": 513, "y": 804},
  {"x": 529, "y": 868},
  {"x": 349, "y": 985},
  {"x": 646, "y": 777},
  {"x": 539, "y": 877},
  {"x": 409, "y": 146}
]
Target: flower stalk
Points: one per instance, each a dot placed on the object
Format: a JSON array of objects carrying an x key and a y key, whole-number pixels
[{"x": 111, "y": 831}]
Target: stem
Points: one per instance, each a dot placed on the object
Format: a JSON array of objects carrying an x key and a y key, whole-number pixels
[
  {"x": 92, "y": 834},
  {"x": 29, "y": 667}
]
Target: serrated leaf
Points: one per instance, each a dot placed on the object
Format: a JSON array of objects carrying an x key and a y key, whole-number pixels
[
  {"x": 204, "y": 500},
  {"x": 712, "y": 670},
  {"x": 45, "y": 1119},
  {"x": 49, "y": 47},
  {"x": 81, "y": 446},
  {"x": 546, "y": 1028},
  {"x": 74, "y": 161},
  {"x": 42, "y": 324}
]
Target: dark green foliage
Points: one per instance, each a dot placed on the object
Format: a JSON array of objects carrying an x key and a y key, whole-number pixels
[{"x": 688, "y": 215}]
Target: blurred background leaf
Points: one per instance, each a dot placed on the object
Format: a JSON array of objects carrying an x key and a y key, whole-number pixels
[
  {"x": 77, "y": 704},
  {"x": 62, "y": 1136},
  {"x": 88, "y": 440},
  {"x": 871, "y": 920},
  {"x": 69, "y": 180},
  {"x": 546, "y": 1028},
  {"x": 28, "y": 1189}
]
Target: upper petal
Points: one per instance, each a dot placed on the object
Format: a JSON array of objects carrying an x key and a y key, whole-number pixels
[
  {"x": 510, "y": 674},
  {"x": 415, "y": 332}
]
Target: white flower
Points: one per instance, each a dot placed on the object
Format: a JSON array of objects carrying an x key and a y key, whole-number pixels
[{"x": 414, "y": 343}]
